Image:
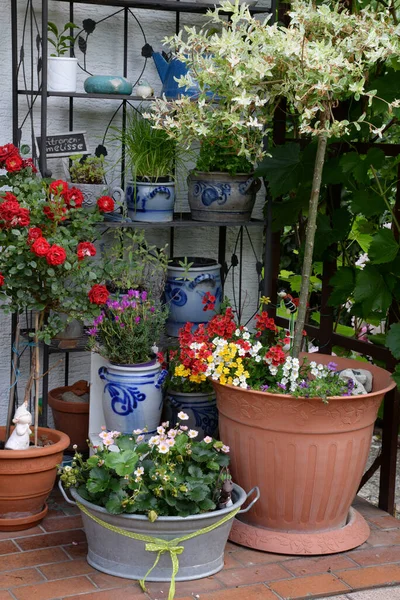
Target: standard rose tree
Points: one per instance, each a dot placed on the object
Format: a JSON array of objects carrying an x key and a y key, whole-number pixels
[{"x": 47, "y": 249}]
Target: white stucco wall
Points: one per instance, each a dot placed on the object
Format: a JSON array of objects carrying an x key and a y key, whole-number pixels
[{"x": 91, "y": 115}]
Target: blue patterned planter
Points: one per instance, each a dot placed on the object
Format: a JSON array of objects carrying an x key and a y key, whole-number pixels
[
  {"x": 200, "y": 408},
  {"x": 132, "y": 396},
  {"x": 185, "y": 296},
  {"x": 220, "y": 196},
  {"x": 150, "y": 202}
]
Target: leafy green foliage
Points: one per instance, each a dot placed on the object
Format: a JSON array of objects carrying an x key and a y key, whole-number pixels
[
  {"x": 61, "y": 41},
  {"x": 383, "y": 248},
  {"x": 170, "y": 475},
  {"x": 343, "y": 285},
  {"x": 87, "y": 169},
  {"x": 393, "y": 340},
  {"x": 222, "y": 155},
  {"x": 372, "y": 290}
]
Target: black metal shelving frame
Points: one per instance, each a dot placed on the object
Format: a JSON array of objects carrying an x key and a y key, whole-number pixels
[{"x": 41, "y": 94}]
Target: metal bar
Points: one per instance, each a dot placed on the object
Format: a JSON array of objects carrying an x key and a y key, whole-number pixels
[
  {"x": 124, "y": 114},
  {"x": 165, "y": 6},
  {"x": 71, "y": 53},
  {"x": 387, "y": 480},
  {"x": 90, "y": 95},
  {"x": 171, "y": 242},
  {"x": 267, "y": 281},
  {"x": 222, "y": 254},
  {"x": 371, "y": 471},
  {"x": 14, "y": 66},
  {"x": 43, "y": 107},
  {"x": 182, "y": 220},
  {"x": 240, "y": 274},
  {"x": 66, "y": 368}
]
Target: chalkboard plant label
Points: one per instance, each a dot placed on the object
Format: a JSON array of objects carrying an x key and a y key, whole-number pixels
[{"x": 65, "y": 144}]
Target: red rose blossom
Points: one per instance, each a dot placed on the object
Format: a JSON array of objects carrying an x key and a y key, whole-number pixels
[
  {"x": 56, "y": 211},
  {"x": 1, "y": 279},
  {"x": 105, "y": 204},
  {"x": 73, "y": 198},
  {"x": 56, "y": 256},
  {"x": 58, "y": 187},
  {"x": 40, "y": 246},
  {"x": 9, "y": 209},
  {"x": 14, "y": 163},
  {"x": 7, "y": 151},
  {"x": 23, "y": 218},
  {"x": 98, "y": 294},
  {"x": 85, "y": 249},
  {"x": 28, "y": 162},
  {"x": 33, "y": 234}
]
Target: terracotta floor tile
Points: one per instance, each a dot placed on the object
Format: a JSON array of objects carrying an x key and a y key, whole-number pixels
[
  {"x": 8, "y": 535},
  {"x": 251, "y": 592},
  {"x": 199, "y": 587},
  {"x": 73, "y": 568},
  {"x": 371, "y": 576},
  {"x": 230, "y": 561},
  {"x": 386, "y": 522},
  {"x": 4, "y": 595},
  {"x": 20, "y": 577},
  {"x": 77, "y": 550},
  {"x": 313, "y": 585},
  {"x": 132, "y": 593},
  {"x": 248, "y": 557},
  {"x": 312, "y": 565},
  {"x": 54, "y": 589},
  {"x": 8, "y": 546},
  {"x": 254, "y": 574},
  {"x": 51, "y": 539},
  {"x": 62, "y": 523},
  {"x": 104, "y": 581},
  {"x": 384, "y": 537},
  {"x": 376, "y": 555},
  {"x": 32, "y": 559}
]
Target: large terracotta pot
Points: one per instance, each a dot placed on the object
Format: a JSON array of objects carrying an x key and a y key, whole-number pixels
[
  {"x": 26, "y": 480},
  {"x": 307, "y": 457},
  {"x": 71, "y": 418}
]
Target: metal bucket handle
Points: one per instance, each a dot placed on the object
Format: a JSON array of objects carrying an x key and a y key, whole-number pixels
[
  {"x": 255, "y": 489},
  {"x": 64, "y": 493},
  {"x": 201, "y": 279}
]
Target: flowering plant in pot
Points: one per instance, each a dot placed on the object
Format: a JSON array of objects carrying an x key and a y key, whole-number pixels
[
  {"x": 46, "y": 267},
  {"x": 62, "y": 70},
  {"x": 188, "y": 388},
  {"x": 171, "y": 486},
  {"x": 126, "y": 333}
]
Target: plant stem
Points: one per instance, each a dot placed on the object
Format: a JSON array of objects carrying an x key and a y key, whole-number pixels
[
  {"x": 36, "y": 363},
  {"x": 13, "y": 378},
  {"x": 310, "y": 237},
  {"x": 382, "y": 193}
]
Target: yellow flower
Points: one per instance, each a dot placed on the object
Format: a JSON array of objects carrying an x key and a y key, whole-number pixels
[
  {"x": 265, "y": 300},
  {"x": 180, "y": 371}
]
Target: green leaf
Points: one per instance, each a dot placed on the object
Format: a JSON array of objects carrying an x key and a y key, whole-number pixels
[
  {"x": 281, "y": 169},
  {"x": 372, "y": 291},
  {"x": 195, "y": 471},
  {"x": 396, "y": 375},
  {"x": 351, "y": 162},
  {"x": 393, "y": 340},
  {"x": 367, "y": 202},
  {"x": 51, "y": 272},
  {"x": 207, "y": 505},
  {"x": 383, "y": 248},
  {"x": 199, "y": 492},
  {"x": 113, "y": 504},
  {"x": 359, "y": 234},
  {"x": 122, "y": 462},
  {"x": 67, "y": 266},
  {"x": 125, "y": 443},
  {"x": 98, "y": 480},
  {"x": 343, "y": 283}
]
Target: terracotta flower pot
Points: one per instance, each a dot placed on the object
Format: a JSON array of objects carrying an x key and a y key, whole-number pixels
[
  {"x": 307, "y": 458},
  {"x": 26, "y": 479},
  {"x": 71, "y": 417}
]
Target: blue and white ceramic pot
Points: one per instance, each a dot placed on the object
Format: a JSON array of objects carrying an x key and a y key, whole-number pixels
[
  {"x": 200, "y": 408},
  {"x": 132, "y": 396},
  {"x": 185, "y": 290},
  {"x": 222, "y": 197},
  {"x": 150, "y": 202}
]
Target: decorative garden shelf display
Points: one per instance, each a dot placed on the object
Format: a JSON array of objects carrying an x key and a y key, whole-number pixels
[{"x": 162, "y": 511}]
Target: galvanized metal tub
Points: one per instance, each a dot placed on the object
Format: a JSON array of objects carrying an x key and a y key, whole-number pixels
[{"x": 116, "y": 554}]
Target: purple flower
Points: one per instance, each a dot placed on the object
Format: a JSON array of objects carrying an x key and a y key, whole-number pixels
[
  {"x": 125, "y": 304},
  {"x": 134, "y": 304},
  {"x": 303, "y": 384},
  {"x": 93, "y": 331},
  {"x": 264, "y": 388},
  {"x": 115, "y": 305},
  {"x": 137, "y": 319},
  {"x": 133, "y": 293},
  {"x": 144, "y": 296},
  {"x": 121, "y": 325},
  {"x": 332, "y": 366},
  {"x": 282, "y": 386},
  {"x": 117, "y": 318},
  {"x": 152, "y": 309},
  {"x": 350, "y": 384}
]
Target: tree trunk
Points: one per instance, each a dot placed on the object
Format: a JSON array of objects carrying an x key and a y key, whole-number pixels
[{"x": 309, "y": 242}]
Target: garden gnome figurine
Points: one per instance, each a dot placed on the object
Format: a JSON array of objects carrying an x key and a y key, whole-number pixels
[{"x": 19, "y": 439}]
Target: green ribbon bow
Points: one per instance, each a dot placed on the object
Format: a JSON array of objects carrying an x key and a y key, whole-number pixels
[{"x": 160, "y": 546}]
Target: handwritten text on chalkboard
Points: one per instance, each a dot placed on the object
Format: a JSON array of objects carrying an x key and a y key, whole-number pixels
[{"x": 65, "y": 144}]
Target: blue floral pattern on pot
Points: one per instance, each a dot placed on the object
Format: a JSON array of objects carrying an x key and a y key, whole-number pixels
[
  {"x": 150, "y": 202},
  {"x": 200, "y": 408},
  {"x": 212, "y": 193},
  {"x": 185, "y": 295},
  {"x": 132, "y": 396}
]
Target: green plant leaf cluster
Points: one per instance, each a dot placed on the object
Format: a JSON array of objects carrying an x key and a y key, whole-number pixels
[{"x": 61, "y": 40}]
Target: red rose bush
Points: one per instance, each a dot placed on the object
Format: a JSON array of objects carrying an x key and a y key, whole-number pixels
[{"x": 46, "y": 262}]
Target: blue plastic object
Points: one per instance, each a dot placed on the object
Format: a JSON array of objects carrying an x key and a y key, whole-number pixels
[{"x": 107, "y": 84}]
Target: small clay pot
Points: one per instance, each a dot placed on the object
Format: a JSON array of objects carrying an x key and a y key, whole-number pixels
[{"x": 71, "y": 417}]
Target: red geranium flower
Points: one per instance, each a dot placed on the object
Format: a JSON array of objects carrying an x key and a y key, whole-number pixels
[
  {"x": 56, "y": 255},
  {"x": 7, "y": 151},
  {"x": 98, "y": 294},
  {"x": 222, "y": 325},
  {"x": 73, "y": 198},
  {"x": 1, "y": 279},
  {"x": 275, "y": 356},
  {"x": 33, "y": 234},
  {"x": 9, "y": 196},
  {"x": 58, "y": 187},
  {"x": 209, "y": 301},
  {"x": 264, "y": 322},
  {"x": 105, "y": 204},
  {"x": 40, "y": 246},
  {"x": 14, "y": 163},
  {"x": 85, "y": 249}
]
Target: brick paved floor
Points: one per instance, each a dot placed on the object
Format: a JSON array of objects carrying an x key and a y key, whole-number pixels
[{"x": 48, "y": 563}]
